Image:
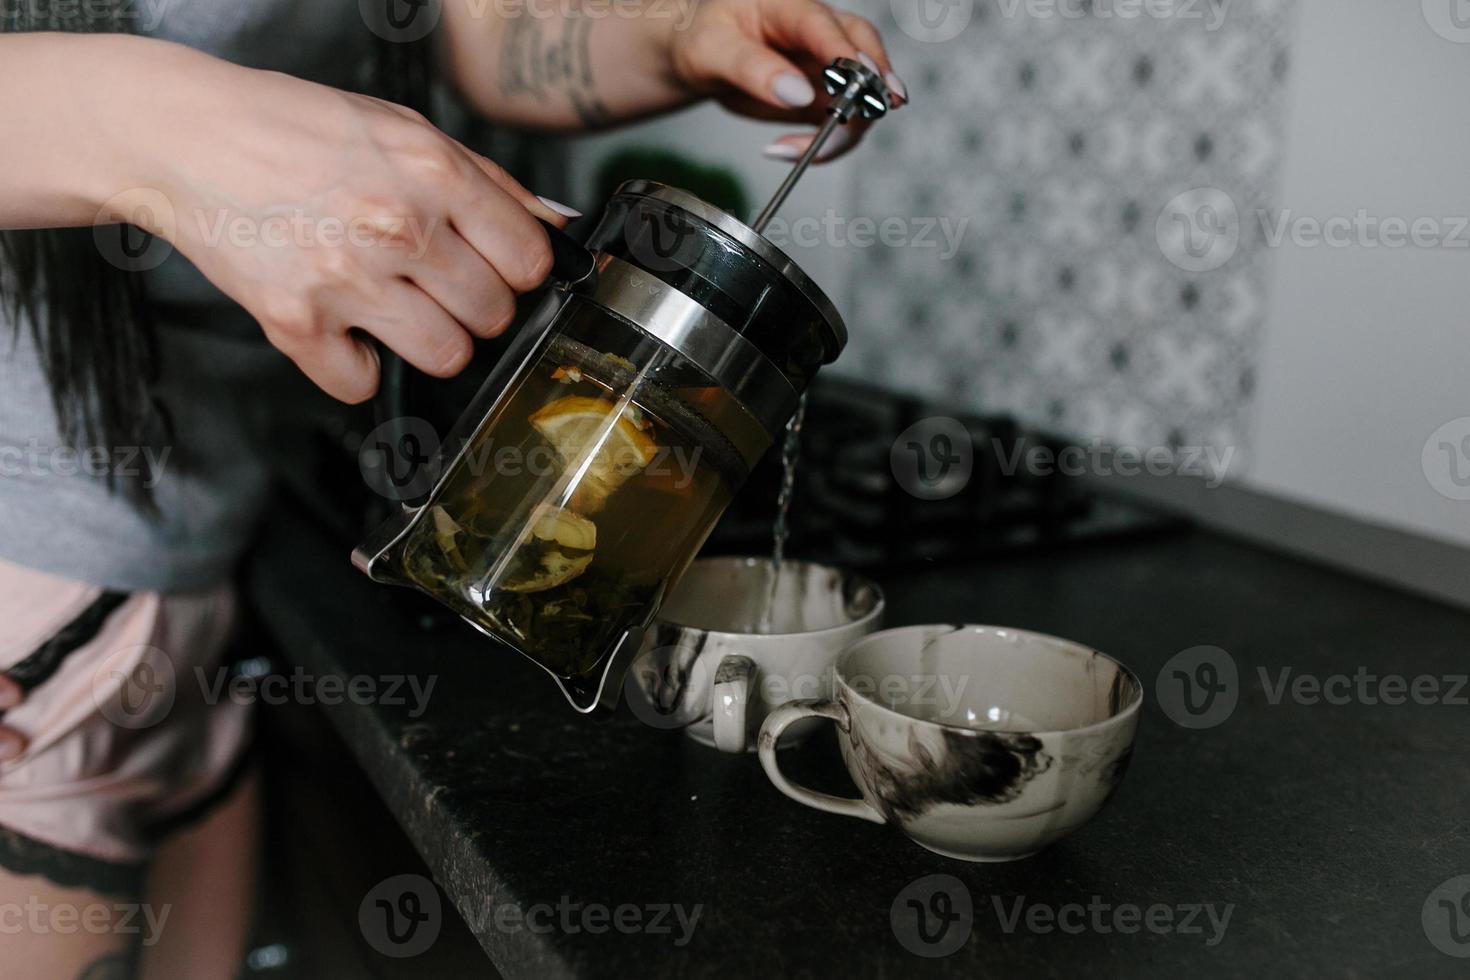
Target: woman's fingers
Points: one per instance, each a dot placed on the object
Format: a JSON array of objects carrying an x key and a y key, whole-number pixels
[
  {"x": 769, "y": 85},
  {"x": 11, "y": 693},
  {"x": 793, "y": 145},
  {"x": 794, "y": 23},
  {"x": 429, "y": 306},
  {"x": 541, "y": 207},
  {"x": 415, "y": 327},
  {"x": 766, "y": 67},
  {"x": 12, "y": 744},
  {"x": 806, "y": 27},
  {"x": 809, "y": 28},
  {"x": 867, "y": 40},
  {"x": 505, "y": 233},
  {"x": 873, "y": 53},
  {"x": 340, "y": 362},
  {"x": 753, "y": 68},
  {"x": 461, "y": 281}
]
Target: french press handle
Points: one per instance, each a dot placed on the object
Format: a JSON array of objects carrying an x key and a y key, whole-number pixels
[{"x": 571, "y": 262}]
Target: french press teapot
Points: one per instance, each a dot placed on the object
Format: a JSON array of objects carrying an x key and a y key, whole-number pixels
[{"x": 596, "y": 458}]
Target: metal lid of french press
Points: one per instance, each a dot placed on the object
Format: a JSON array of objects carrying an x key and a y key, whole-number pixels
[
  {"x": 747, "y": 236},
  {"x": 855, "y": 90}
]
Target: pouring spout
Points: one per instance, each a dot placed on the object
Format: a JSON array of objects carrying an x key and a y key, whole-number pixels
[{"x": 588, "y": 694}]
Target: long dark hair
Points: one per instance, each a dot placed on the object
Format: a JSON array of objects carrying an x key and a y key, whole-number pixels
[{"x": 88, "y": 316}]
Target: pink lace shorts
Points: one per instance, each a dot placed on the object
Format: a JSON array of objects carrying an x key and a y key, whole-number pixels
[{"x": 127, "y": 714}]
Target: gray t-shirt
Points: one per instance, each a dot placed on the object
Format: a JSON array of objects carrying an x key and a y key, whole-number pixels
[{"x": 220, "y": 381}]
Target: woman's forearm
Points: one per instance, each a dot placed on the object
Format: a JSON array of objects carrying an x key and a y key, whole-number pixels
[
  {"x": 67, "y": 147},
  {"x": 547, "y": 64}
]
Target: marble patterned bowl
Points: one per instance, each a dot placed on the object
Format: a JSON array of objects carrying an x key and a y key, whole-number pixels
[{"x": 981, "y": 743}]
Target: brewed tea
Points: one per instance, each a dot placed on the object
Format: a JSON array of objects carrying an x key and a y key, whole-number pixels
[{"x": 600, "y": 481}]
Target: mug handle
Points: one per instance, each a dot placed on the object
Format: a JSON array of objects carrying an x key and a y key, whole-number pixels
[
  {"x": 734, "y": 679},
  {"x": 776, "y": 723}
]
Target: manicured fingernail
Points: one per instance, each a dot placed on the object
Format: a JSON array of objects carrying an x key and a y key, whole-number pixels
[
  {"x": 794, "y": 90},
  {"x": 781, "y": 151},
  {"x": 566, "y": 211},
  {"x": 10, "y": 696},
  {"x": 869, "y": 63},
  {"x": 896, "y": 86},
  {"x": 10, "y": 747}
]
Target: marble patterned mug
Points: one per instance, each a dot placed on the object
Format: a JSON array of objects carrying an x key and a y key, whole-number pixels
[
  {"x": 981, "y": 743},
  {"x": 735, "y": 640}
]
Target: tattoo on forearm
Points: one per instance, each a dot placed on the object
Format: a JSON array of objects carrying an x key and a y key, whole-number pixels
[{"x": 546, "y": 61}]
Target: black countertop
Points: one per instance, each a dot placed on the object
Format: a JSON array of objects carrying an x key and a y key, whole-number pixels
[{"x": 1323, "y": 828}]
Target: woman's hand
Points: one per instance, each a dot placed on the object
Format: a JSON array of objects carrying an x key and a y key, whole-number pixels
[
  {"x": 330, "y": 217},
  {"x": 591, "y": 67},
  {"x": 759, "y": 58},
  {"x": 12, "y": 742}
]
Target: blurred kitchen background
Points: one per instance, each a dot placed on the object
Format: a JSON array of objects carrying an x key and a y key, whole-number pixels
[{"x": 1107, "y": 172}]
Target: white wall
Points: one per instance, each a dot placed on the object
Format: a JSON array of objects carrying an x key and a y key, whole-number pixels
[{"x": 1367, "y": 351}]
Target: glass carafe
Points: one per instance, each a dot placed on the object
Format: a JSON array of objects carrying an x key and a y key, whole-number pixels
[{"x": 599, "y": 454}]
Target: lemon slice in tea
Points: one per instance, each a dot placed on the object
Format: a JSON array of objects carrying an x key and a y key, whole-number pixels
[
  {"x": 559, "y": 525},
  {"x": 555, "y": 548},
  {"x": 575, "y": 424}
]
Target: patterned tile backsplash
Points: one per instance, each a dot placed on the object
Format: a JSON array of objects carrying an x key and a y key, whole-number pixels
[{"x": 1050, "y": 137}]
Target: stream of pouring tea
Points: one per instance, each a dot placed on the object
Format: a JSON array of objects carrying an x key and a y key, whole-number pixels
[{"x": 790, "y": 454}]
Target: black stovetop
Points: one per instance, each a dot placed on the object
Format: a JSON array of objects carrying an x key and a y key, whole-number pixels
[{"x": 857, "y": 505}]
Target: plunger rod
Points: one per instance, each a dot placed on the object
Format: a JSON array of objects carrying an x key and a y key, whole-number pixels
[{"x": 784, "y": 191}]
